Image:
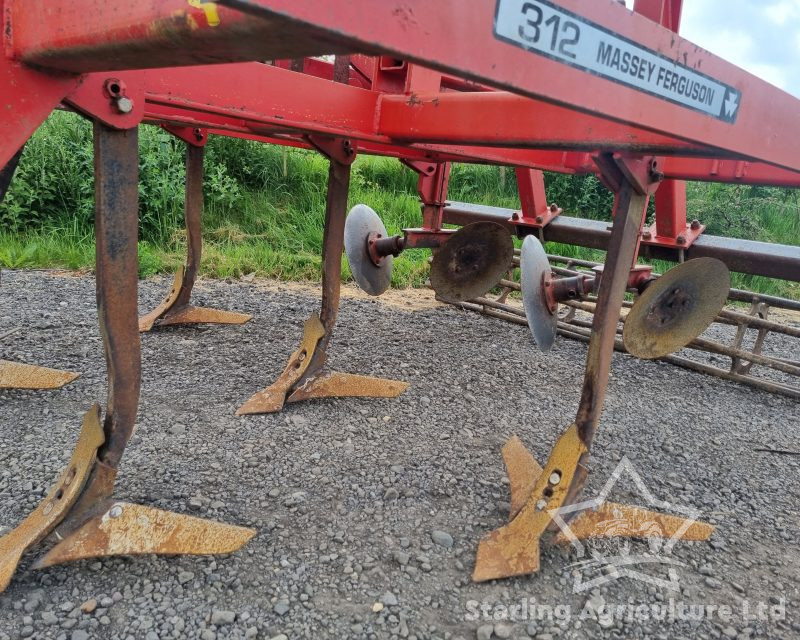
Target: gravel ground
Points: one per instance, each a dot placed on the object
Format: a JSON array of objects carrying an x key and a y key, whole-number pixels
[{"x": 369, "y": 511}]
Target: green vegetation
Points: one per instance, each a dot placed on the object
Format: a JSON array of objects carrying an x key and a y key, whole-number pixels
[{"x": 265, "y": 205}]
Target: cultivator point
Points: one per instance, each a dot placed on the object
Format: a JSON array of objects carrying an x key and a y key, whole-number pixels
[
  {"x": 171, "y": 312},
  {"x": 294, "y": 385},
  {"x": 87, "y": 524},
  {"x": 16, "y": 375},
  {"x": 537, "y": 495}
]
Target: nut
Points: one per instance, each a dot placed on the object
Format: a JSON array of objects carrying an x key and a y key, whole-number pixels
[{"x": 124, "y": 104}]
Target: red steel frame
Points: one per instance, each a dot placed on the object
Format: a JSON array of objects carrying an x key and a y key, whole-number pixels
[
  {"x": 76, "y": 36},
  {"x": 390, "y": 106},
  {"x": 446, "y": 113}
]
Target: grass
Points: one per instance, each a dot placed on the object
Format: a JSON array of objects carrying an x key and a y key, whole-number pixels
[{"x": 265, "y": 207}]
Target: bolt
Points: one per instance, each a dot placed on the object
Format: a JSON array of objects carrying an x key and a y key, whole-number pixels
[
  {"x": 124, "y": 104},
  {"x": 541, "y": 504},
  {"x": 681, "y": 239},
  {"x": 555, "y": 477},
  {"x": 647, "y": 235},
  {"x": 515, "y": 216},
  {"x": 539, "y": 219},
  {"x": 116, "y": 511},
  {"x": 695, "y": 224},
  {"x": 553, "y": 208}
]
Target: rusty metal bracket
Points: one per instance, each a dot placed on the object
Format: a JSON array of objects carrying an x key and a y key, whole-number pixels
[{"x": 15, "y": 375}]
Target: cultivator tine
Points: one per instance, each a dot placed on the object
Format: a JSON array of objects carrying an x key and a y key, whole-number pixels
[
  {"x": 303, "y": 377},
  {"x": 147, "y": 321},
  {"x": 60, "y": 499},
  {"x": 537, "y": 495},
  {"x": 79, "y": 511},
  {"x": 15, "y": 375},
  {"x": 132, "y": 529},
  {"x": 175, "y": 308}
]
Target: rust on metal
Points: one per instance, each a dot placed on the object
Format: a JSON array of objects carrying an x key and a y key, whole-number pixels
[
  {"x": 116, "y": 194},
  {"x": 612, "y": 520},
  {"x": 273, "y": 397},
  {"x": 472, "y": 261},
  {"x": 523, "y": 471},
  {"x": 146, "y": 322},
  {"x": 132, "y": 529},
  {"x": 59, "y": 500},
  {"x": 513, "y": 549},
  {"x": 676, "y": 308},
  {"x": 204, "y": 315},
  {"x": 15, "y": 375},
  {"x": 336, "y": 384},
  {"x": 760, "y": 309},
  {"x": 175, "y": 308},
  {"x": 303, "y": 378}
]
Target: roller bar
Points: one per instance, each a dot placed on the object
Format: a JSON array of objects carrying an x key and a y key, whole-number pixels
[{"x": 744, "y": 256}]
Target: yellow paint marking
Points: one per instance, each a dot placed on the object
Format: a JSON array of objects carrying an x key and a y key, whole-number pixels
[{"x": 209, "y": 8}]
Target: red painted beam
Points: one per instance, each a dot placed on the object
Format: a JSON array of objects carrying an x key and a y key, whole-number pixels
[
  {"x": 82, "y": 35},
  {"x": 453, "y": 37},
  {"x": 505, "y": 119}
]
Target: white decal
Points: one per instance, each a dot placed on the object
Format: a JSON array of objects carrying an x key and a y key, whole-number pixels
[{"x": 539, "y": 26}]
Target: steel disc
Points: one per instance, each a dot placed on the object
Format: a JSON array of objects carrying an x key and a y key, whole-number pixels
[
  {"x": 360, "y": 223},
  {"x": 533, "y": 265},
  {"x": 472, "y": 261},
  {"x": 676, "y": 308}
]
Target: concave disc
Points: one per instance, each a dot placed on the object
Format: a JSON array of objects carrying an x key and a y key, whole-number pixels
[
  {"x": 676, "y": 308},
  {"x": 472, "y": 261},
  {"x": 360, "y": 223},
  {"x": 533, "y": 265}
]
